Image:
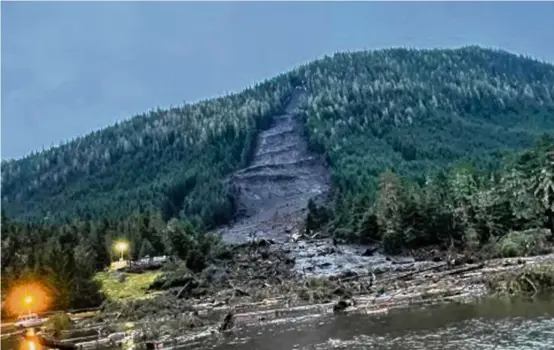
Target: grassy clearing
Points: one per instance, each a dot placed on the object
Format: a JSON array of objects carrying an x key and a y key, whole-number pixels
[{"x": 134, "y": 287}]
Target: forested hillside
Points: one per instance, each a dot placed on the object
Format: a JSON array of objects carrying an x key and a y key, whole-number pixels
[
  {"x": 425, "y": 147},
  {"x": 410, "y": 111},
  {"x": 508, "y": 213},
  {"x": 151, "y": 162}
]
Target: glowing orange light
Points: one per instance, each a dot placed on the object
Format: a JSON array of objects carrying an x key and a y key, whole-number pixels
[
  {"x": 30, "y": 345},
  {"x": 24, "y": 298}
]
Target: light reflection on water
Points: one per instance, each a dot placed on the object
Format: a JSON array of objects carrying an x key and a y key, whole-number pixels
[{"x": 492, "y": 324}]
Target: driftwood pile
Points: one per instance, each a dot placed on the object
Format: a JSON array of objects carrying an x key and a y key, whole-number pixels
[{"x": 258, "y": 286}]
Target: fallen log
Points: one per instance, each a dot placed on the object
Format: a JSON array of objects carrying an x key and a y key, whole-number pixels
[
  {"x": 409, "y": 274},
  {"x": 227, "y": 322},
  {"x": 182, "y": 289},
  {"x": 465, "y": 269}
]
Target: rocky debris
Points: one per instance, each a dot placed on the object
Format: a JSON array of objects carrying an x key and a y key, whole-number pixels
[
  {"x": 370, "y": 251},
  {"x": 346, "y": 275},
  {"x": 143, "y": 267},
  {"x": 153, "y": 345},
  {"x": 262, "y": 294},
  {"x": 274, "y": 189},
  {"x": 178, "y": 278},
  {"x": 319, "y": 257},
  {"x": 341, "y": 306},
  {"x": 227, "y": 322},
  {"x": 241, "y": 293},
  {"x": 262, "y": 242},
  {"x": 216, "y": 275}
]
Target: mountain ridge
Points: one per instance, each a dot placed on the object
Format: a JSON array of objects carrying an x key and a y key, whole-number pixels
[
  {"x": 359, "y": 104},
  {"x": 37, "y": 152}
]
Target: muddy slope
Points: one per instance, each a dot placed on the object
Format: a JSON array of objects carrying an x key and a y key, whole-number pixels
[{"x": 273, "y": 191}]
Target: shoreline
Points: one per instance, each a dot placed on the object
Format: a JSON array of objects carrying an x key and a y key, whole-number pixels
[
  {"x": 304, "y": 298},
  {"x": 263, "y": 284}
]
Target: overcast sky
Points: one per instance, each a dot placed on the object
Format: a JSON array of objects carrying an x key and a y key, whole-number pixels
[{"x": 70, "y": 68}]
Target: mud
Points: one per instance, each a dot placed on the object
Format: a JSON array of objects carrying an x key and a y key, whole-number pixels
[
  {"x": 321, "y": 258},
  {"x": 264, "y": 285},
  {"x": 261, "y": 286},
  {"x": 274, "y": 190}
]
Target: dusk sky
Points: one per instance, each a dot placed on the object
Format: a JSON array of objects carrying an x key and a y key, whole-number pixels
[{"x": 70, "y": 68}]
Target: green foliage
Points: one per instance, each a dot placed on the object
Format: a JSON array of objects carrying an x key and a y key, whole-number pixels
[
  {"x": 180, "y": 238},
  {"x": 528, "y": 281},
  {"x": 196, "y": 261},
  {"x": 466, "y": 208},
  {"x": 65, "y": 257},
  {"x": 417, "y": 111},
  {"x": 169, "y": 160},
  {"x": 410, "y": 111},
  {"x": 146, "y": 248},
  {"x": 177, "y": 275},
  {"x": 184, "y": 241},
  {"x": 318, "y": 215},
  {"x": 134, "y": 287},
  {"x": 523, "y": 243},
  {"x": 58, "y": 322},
  {"x": 414, "y": 138}
]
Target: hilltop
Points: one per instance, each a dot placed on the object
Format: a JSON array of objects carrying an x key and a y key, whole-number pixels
[
  {"x": 446, "y": 155},
  {"x": 411, "y": 111}
]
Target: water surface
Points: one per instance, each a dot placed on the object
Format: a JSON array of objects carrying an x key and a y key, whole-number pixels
[{"x": 498, "y": 324}]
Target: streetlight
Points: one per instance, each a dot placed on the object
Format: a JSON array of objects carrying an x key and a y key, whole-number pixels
[
  {"x": 28, "y": 302},
  {"x": 122, "y": 247}
]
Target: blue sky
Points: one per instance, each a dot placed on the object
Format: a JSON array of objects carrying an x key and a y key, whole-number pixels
[{"x": 70, "y": 68}]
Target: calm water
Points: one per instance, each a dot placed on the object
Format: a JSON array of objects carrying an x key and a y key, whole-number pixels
[{"x": 493, "y": 324}]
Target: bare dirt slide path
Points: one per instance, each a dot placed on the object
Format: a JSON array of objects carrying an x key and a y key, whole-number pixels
[{"x": 275, "y": 188}]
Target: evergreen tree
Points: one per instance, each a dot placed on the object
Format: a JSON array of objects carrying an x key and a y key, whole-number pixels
[{"x": 146, "y": 249}]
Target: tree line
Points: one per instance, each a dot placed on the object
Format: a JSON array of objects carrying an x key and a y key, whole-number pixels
[
  {"x": 413, "y": 111},
  {"x": 64, "y": 258},
  {"x": 391, "y": 123},
  {"x": 457, "y": 206},
  {"x": 509, "y": 211}
]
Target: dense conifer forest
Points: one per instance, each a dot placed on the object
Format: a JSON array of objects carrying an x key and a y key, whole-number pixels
[{"x": 425, "y": 147}]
